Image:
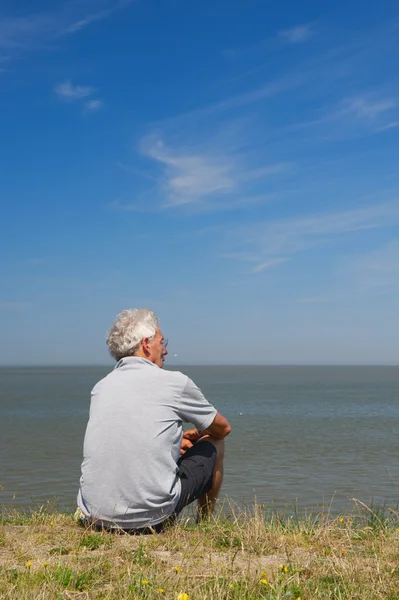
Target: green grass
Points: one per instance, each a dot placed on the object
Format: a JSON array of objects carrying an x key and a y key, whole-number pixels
[{"x": 255, "y": 555}]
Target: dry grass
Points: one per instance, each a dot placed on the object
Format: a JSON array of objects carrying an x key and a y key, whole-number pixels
[{"x": 46, "y": 555}]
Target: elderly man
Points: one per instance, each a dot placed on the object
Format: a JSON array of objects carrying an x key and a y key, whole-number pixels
[{"x": 139, "y": 470}]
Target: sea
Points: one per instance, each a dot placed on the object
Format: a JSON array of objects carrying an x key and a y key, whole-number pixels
[{"x": 305, "y": 439}]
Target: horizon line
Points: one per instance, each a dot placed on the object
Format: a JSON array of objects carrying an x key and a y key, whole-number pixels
[{"x": 232, "y": 364}]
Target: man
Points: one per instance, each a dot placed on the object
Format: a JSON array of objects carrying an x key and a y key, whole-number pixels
[{"x": 139, "y": 470}]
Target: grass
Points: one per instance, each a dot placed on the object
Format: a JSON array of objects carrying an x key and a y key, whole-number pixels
[{"x": 236, "y": 555}]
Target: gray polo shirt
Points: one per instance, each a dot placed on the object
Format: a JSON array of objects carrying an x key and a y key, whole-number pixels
[{"x": 132, "y": 443}]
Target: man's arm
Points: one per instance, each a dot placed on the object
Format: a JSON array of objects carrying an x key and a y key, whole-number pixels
[{"x": 219, "y": 428}]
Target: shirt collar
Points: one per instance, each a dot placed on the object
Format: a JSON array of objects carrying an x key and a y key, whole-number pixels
[{"x": 130, "y": 361}]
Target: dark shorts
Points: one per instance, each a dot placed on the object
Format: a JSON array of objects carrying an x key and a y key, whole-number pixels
[{"x": 196, "y": 473}]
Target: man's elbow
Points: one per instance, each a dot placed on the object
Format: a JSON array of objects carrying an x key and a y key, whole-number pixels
[
  {"x": 220, "y": 427},
  {"x": 225, "y": 431}
]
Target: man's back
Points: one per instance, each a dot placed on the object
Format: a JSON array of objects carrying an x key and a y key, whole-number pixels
[{"x": 132, "y": 443}]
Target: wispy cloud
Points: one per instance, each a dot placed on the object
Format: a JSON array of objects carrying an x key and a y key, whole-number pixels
[
  {"x": 370, "y": 112},
  {"x": 68, "y": 91},
  {"x": 268, "y": 90},
  {"x": 366, "y": 107},
  {"x": 296, "y": 35},
  {"x": 96, "y": 16},
  {"x": 366, "y": 113},
  {"x": 273, "y": 169},
  {"x": 205, "y": 176},
  {"x": 17, "y": 33},
  {"x": 189, "y": 177},
  {"x": 36, "y": 30},
  {"x": 272, "y": 88},
  {"x": 392, "y": 125},
  {"x": 279, "y": 239},
  {"x": 94, "y": 105},
  {"x": 269, "y": 264}
]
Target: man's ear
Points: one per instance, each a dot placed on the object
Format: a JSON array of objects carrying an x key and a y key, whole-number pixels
[{"x": 145, "y": 345}]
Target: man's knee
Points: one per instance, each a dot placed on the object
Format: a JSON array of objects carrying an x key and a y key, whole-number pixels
[{"x": 219, "y": 445}]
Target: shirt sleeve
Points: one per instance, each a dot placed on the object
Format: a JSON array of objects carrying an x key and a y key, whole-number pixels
[{"x": 195, "y": 408}]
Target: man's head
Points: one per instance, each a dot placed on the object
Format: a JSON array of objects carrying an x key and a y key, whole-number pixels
[{"x": 136, "y": 332}]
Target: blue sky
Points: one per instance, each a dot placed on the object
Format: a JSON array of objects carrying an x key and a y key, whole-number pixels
[{"x": 231, "y": 165}]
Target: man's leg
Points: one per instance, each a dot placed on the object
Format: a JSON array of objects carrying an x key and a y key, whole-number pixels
[{"x": 206, "y": 503}]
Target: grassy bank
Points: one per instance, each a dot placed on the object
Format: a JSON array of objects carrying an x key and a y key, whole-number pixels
[{"x": 259, "y": 556}]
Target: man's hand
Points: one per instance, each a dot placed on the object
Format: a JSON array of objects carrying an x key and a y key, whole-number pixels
[
  {"x": 192, "y": 434},
  {"x": 189, "y": 438},
  {"x": 185, "y": 445}
]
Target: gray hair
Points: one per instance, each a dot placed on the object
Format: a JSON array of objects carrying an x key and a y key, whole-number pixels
[{"x": 131, "y": 326}]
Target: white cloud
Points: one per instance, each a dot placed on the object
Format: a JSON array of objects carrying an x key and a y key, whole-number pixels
[
  {"x": 265, "y": 171},
  {"x": 269, "y": 264},
  {"x": 297, "y": 34},
  {"x": 353, "y": 117},
  {"x": 68, "y": 91},
  {"x": 392, "y": 125},
  {"x": 258, "y": 94},
  {"x": 276, "y": 239},
  {"x": 189, "y": 177},
  {"x": 22, "y": 33},
  {"x": 366, "y": 107},
  {"x": 18, "y": 33},
  {"x": 269, "y": 90},
  {"x": 212, "y": 176},
  {"x": 94, "y": 105},
  {"x": 87, "y": 20}
]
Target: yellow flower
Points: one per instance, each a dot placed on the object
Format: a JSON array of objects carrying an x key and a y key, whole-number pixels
[
  {"x": 183, "y": 596},
  {"x": 263, "y": 574},
  {"x": 52, "y": 524},
  {"x": 145, "y": 581},
  {"x": 29, "y": 564},
  {"x": 160, "y": 591},
  {"x": 284, "y": 568},
  {"x": 342, "y": 552},
  {"x": 263, "y": 580},
  {"x": 231, "y": 586},
  {"x": 397, "y": 530},
  {"x": 177, "y": 569},
  {"x": 342, "y": 520},
  {"x": 45, "y": 564}
]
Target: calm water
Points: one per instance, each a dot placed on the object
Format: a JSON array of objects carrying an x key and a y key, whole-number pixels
[{"x": 303, "y": 436}]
